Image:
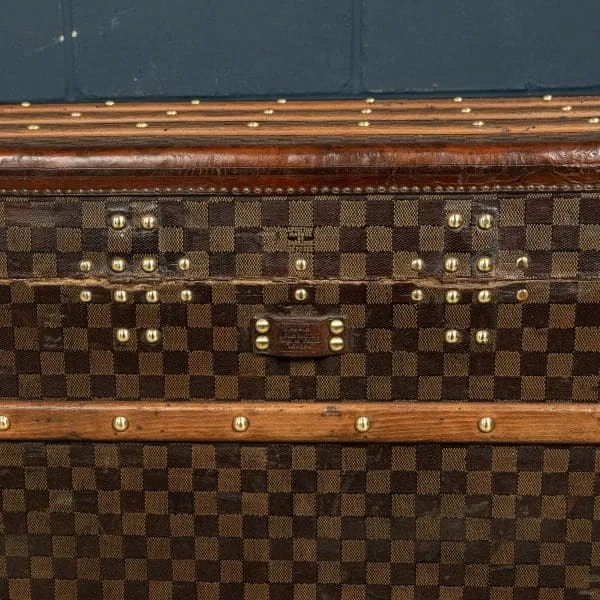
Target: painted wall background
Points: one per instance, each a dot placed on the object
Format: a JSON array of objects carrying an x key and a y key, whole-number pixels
[{"x": 53, "y": 50}]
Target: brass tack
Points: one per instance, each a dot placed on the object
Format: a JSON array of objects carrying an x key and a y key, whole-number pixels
[
  {"x": 522, "y": 262},
  {"x": 452, "y": 336},
  {"x": 485, "y": 221},
  {"x": 547, "y": 98},
  {"x": 195, "y": 101},
  {"x": 486, "y": 424},
  {"x": 522, "y": 295},
  {"x": 484, "y": 296},
  {"x": 594, "y": 120},
  {"x": 118, "y": 221},
  {"x": 268, "y": 111},
  {"x": 75, "y": 114},
  {"x": 466, "y": 109},
  {"x": 301, "y": 264},
  {"x": 451, "y": 264},
  {"x": 452, "y": 296},
  {"x": 120, "y": 423},
  {"x": 183, "y": 264},
  {"x": 337, "y": 326},
  {"x": 566, "y": 108},
  {"x": 148, "y": 222},
  {"x": 25, "y": 104},
  {"x": 141, "y": 125},
  {"x": 85, "y": 266},
  {"x": 281, "y": 100},
  {"x": 364, "y": 124},
  {"x": 362, "y": 424},
  {"x": 110, "y": 103},
  {"x": 336, "y": 344},
  {"x": 485, "y": 264},
  {"x": 454, "y": 220},
  {"x": 366, "y": 111},
  {"x": 370, "y": 100},
  {"x": 151, "y": 296},
  {"x": 85, "y": 296},
  {"x": 33, "y": 127},
  {"x": 171, "y": 113},
  {"x": 149, "y": 264},
  {"x": 120, "y": 296},
  {"x": 262, "y": 342},
  {"x": 152, "y": 336},
  {"x": 416, "y": 295},
  {"x": 262, "y": 326},
  {"x": 118, "y": 265},
  {"x": 122, "y": 335},
  {"x": 4, "y": 423},
  {"x": 457, "y": 99},
  {"x": 240, "y": 424},
  {"x": 478, "y": 123},
  {"x": 186, "y": 295},
  {"x": 482, "y": 336},
  {"x": 417, "y": 264},
  {"x": 253, "y": 124},
  {"x": 300, "y": 294}
]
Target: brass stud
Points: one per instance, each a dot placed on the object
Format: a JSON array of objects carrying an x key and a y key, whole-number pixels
[
  {"x": 120, "y": 423},
  {"x": 452, "y": 336},
  {"x": 268, "y": 111},
  {"x": 262, "y": 325},
  {"x": 281, "y": 100},
  {"x": 485, "y": 221},
  {"x": 120, "y": 296},
  {"x": 33, "y": 127},
  {"x": 183, "y": 264},
  {"x": 118, "y": 221},
  {"x": 362, "y": 424},
  {"x": 337, "y": 326},
  {"x": 455, "y": 220},
  {"x": 194, "y": 101},
  {"x": 152, "y": 336},
  {"x": 522, "y": 295},
  {"x": 370, "y": 100},
  {"x": 301, "y": 264},
  {"x": 484, "y": 296},
  {"x": 75, "y": 114},
  {"x": 300, "y": 294},
  {"x": 478, "y": 123},
  {"x": 486, "y": 424},
  {"x": 417, "y": 264},
  {"x": 457, "y": 99},
  {"x": 566, "y": 108},
  {"x": 85, "y": 296},
  {"x": 366, "y": 111},
  {"x": 110, "y": 103},
  {"x": 482, "y": 336},
  {"x": 547, "y": 97},
  {"x": 118, "y": 265},
  {"x": 186, "y": 295},
  {"x": 466, "y": 109},
  {"x": 416, "y": 295},
  {"x": 240, "y": 424},
  {"x": 452, "y": 296},
  {"x": 149, "y": 264},
  {"x": 4, "y": 423},
  {"x": 522, "y": 262},
  {"x": 253, "y": 124},
  {"x": 336, "y": 344},
  {"x": 85, "y": 266},
  {"x": 594, "y": 120},
  {"x": 262, "y": 342},
  {"x": 25, "y": 104},
  {"x": 122, "y": 335},
  {"x": 151, "y": 296},
  {"x": 171, "y": 113},
  {"x": 451, "y": 264},
  {"x": 141, "y": 125},
  {"x": 485, "y": 264},
  {"x": 364, "y": 123},
  {"x": 148, "y": 222}
]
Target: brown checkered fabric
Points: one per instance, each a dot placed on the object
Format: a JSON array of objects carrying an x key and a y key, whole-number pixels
[
  {"x": 298, "y": 522},
  {"x": 52, "y": 345}
]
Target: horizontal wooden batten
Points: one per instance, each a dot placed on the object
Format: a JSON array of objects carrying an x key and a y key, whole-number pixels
[{"x": 295, "y": 422}]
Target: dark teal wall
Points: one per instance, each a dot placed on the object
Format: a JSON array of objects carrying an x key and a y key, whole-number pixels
[{"x": 88, "y": 49}]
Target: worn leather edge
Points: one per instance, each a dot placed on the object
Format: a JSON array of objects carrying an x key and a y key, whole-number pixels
[{"x": 559, "y": 423}]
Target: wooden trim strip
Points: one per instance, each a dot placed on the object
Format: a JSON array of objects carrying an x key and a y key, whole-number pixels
[{"x": 291, "y": 422}]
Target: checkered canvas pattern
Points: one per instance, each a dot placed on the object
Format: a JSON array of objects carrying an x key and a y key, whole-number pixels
[
  {"x": 53, "y": 345},
  {"x": 298, "y": 522}
]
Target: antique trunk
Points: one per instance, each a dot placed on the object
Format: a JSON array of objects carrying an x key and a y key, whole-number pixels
[{"x": 300, "y": 350}]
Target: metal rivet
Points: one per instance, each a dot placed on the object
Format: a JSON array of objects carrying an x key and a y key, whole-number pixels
[
  {"x": 482, "y": 336},
  {"x": 594, "y": 120},
  {"x": 485, "y": 221},
  {"x": 253, "y": 124},
  {"x": 522, "y": 295},
  {"x": 301, "y": 264},
  {"x": 484, "y": 296},
  {"x": 566, "y": 108},
  {"x": 364, "y": 123},
  {"x": 366, "y": 111},
  {"x": 149, "y": 264},
  {"x": 417, "y": 264},
  {"x": 451, "y": 264},
  {"x": 547, "y": 98},
  {"x": 4, "y": 423},
  {"x": 281, "y": 100},
  {"x": 152, "y": 336},
  {"x": 118, "y": 265},
  {"x": 268, "y": 111},
  {"x": 195, "y": 101},
  {"x": 171, "y": 113},
  {"x": 25, "y": 104},
  {"x": 183, "y": 264},
  {"x": 300, "y": 294},
  {"x": 85, "y": 266},
  {"x": 452, "y": 336},
  {"x": 85, "y": 296},
  {"x": 337, "y": 326},
  {"x": 262, "y": 342},
  {"x": 370, "y": 100},
  {"x": 485, "y": 264},
  {"x": 186, "y": 295},
  {"x": 485, "y": 424},
  {"x": 416, "y": 295},
  {"x": 120, "y": 296},
  {"x": 33, "y": 127},
  {"x": 336, "y": 344},
  {"x": 151, "y": 296},
  {"x": 457, "y": 99},
  {"x": 75, "y": 114},
  {"x": 110, "y": 103},
  {"x": 240, "y": 424},
  {"x": 362, "y": 424},
  {"x": 452, "y": 296},
  {"x": 141, "y": 125},
  {"x": 262, "y": 325},
  {"x": 118, "y": 221},
  {"x": 478, "y": 123},
  {"x": 522, "y": 262},
  {"x": 454, "y": 220},
  {"x": 122, "y": 335},
  {"x": 148, "y": 222},
  {"x": 466, "y": 109},
  {"x": 120, "y": 423}
]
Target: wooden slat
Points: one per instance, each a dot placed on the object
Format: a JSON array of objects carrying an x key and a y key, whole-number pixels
[{"x": 291, "y": 422}]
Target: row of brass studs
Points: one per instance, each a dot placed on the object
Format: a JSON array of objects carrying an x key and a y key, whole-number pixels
[
  {"x": 147, "y": 222},
  {"x": 456, "y": 221},
  {"x": 149, "y": 264},
  {"x": 151, "y": 296},
  {"x": 484, "y": 264},
  {"x": 453, "y": 336},
  {"x": 483, "y": 296},
  {"x": 152, "y": 336}
]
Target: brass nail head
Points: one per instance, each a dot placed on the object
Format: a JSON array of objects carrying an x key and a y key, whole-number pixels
[
  {"x": 566, "y": 108},
  {"x": 141, "y": 125},
  {"x": 485, "y": 221},
  {"x": 85, "y": 296},
  {"x": 268, "y": 111},
  {"x": 485, "y": 264},
  {"x": 452, "y": 296},
  {"x": 186, "y": 295},
  {"x": 152, "y": 296},
  {"x": 120, "y": 296},
  {"x": 452, "y": 336},
  {"x": 122, "y": 335},
  {"x": 522, "y": 295},
  {"x": 336, "y": 344},
  {"x": 262, "y": 326},
  {"x": 482, "y": 336},
  {"x": 183, "y": 264},
  {"x": 110, "y": 103},
  {"x": 486, "y": 424},
  {"x": 301, "y": 264},
  {"x": 416, "y": 295},
  {"x": 148, "y": 222},
  {"x": 152, "y": 336},
  {"x": 594, "y": 120},
  {"x": 118, "y": 221},
  {"x": 451, "y": 264},
  {"x": 85, "y": 266},
  {"x": 253, "y": 124},
  {"x": 547, "y": 97},
  {"x": 261, "y": 342},
  {"x": 457, "y": 99},
  {"x": 484, "y": 296},
  {"x": 118, "y": 265},
  {"x": 478, "y": 123},
  {"x": 417, "y": 264},
  {"x": 149, "y": 264},
  {"x": 337, "y": 326},
  {"x": 362, "y": 424},
  {"x": 300, "y": 294},
  {"x": 522, "y": 262},
  {"x": 4, "y": 423},
  {"x": 364, "y": 123},
  {"x": 455, "y": 221},
  {"x": 120, "y": 423},
  {"x": 171, "y": 113},
  {"x": 370, "y": 100},
  {"x": 240, "y": 424}
]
